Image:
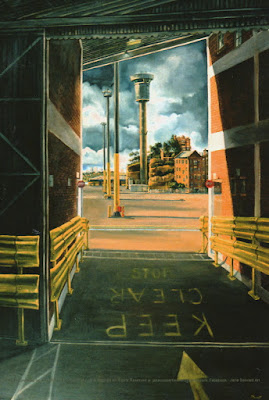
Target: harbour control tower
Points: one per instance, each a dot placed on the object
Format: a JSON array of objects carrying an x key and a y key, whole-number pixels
[{"x": 142, "y": 82}]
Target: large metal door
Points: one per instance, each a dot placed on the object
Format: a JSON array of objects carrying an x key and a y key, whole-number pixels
[{"x": 23, "y": 160}]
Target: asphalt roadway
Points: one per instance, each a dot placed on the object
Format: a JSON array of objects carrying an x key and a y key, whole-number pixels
[
  {"x": 152, "y": 221},
  {"x": 154, "y": 320},
  {"x": 150, "y": 325}
]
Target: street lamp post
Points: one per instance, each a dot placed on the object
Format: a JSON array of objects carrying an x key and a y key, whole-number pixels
[
  {"x": 107, "y": 94},
  {"x": 104, "y": 172}
]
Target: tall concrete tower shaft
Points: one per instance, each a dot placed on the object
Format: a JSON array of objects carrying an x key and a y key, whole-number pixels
[{"x": 142, "y": 82}]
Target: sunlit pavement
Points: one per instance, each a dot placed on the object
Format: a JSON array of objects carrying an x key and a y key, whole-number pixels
[{"x": 153, "y": 221}]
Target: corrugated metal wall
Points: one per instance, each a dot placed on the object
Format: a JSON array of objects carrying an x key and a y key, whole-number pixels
[
  {"x": 21, "y": 154},
  {"x": 20, "y": 129}
]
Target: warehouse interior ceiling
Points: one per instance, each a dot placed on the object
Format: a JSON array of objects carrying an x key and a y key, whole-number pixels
[
  {"x": 100, "y": 52},
  {"x": 113, "y": 30}
]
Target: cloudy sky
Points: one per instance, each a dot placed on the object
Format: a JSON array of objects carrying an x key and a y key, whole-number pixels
[{"x": 177, "y": 106}]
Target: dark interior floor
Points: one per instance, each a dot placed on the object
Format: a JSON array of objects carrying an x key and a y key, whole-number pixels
[
  {"x": 155, "y": 326},
  {"x": 163, "y": 300}
]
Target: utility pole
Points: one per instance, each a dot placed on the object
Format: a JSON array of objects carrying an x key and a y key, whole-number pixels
[
  {"x": 104, "y": 172},
  {"x": 142, "y": 82},
  {"x": 107, "y": 94},
  {"x": 116, "y": 213}
]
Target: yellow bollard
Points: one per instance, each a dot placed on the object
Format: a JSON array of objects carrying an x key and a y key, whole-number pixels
[
  {"x": 58, "y": 321},
  {"x": 216, "y": 263},
  {"x": 21, "y": 337},
  {"x": 109, "y": 211},
  {"x": 252, "y": 292},
  {"x": 231, "y": 274}
]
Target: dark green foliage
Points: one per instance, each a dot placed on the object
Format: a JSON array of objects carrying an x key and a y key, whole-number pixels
[
  {"x": 134, "y": 157},
  {"x": 155, "y": 150}
]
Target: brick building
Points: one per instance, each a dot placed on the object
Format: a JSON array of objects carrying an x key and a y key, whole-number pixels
[
  {"x": 238, "y": 120},
  {"x": 184, "y": 141},
  {"x": 238, "y": 79},
  {"x": 204, "y": 167},
  {"x": 189, "y": 170}
]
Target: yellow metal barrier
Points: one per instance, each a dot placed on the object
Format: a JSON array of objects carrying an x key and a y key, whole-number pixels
[
  {"x": 66, "y": 242},
  {"x": 19, "y": 290},
  {"x": 204, "y": 230},
  {"x": 246, "y": 241}
]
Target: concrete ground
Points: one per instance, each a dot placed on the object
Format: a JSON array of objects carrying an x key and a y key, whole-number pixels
[
  {"x": 149, "y": 316},
  {"x": 153, "y": 221},
  {"x": 156, "y": 325}
]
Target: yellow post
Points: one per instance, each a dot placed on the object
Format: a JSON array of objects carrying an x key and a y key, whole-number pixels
[
  {"x": 231, "y": 274},
  {"x": 104, "y": 182},
  {"x": 116, "y": 182},
  {"x": 77, "y": 265},
  {"x": 216, "y": 263},
  {"x": 87, "y": 238},
  {"x": 21, "y": 336},
  {"x": 252, "y": 292},
  {"x": 58, "y": 321},
  {"x": 70, "y": 289},
  {"x": 108, "y": 191}
]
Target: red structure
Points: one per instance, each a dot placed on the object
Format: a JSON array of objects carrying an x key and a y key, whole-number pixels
[
  {"x": 238, "y": 129},
  {"x": 238, "y": 120},
  {"x": 184, "y": 141}
]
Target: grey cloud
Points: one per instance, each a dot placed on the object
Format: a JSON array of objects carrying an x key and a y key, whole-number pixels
[{"x": 180, "y": 77}]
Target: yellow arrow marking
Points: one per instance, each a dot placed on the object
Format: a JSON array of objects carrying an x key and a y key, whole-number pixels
[{"x": 189, "y": 371}]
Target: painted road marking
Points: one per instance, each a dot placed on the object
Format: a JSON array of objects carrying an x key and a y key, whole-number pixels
[
  {"x": 22, "y": 386},
  {"x": 162, "y": 229},
  {"x": 202, "y": 345},
  {"x": 189, "y": 371},
  {"x": 170, "y": 325},
  {"x": 54, "y": 371},
  {"x": 145, "y": 258}
]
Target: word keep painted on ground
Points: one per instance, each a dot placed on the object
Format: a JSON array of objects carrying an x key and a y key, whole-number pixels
[
  {"x": 166, "y": 324},
  {"x": 170, "y": 325}
]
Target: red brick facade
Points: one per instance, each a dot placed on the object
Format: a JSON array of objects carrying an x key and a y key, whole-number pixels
[
  {"x": 190, "y": 168},
  {"x": 229, "y": 43},
  {"x": 63, "y": 166},
  {"x": 64, "y": 162},
  {"x": 220, "y": 168},
  {"x": 64, "y": 80},
  {"x": 232, "y": 97},
  {"x": 233, "y": 94}
]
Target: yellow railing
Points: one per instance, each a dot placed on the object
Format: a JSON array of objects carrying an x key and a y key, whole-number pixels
[
  {"x": 66, "y": 242},
  {"x": 245, "y": 240},
  {"x": 204, "y": 230},
  {"x": 17, "y": 289}
]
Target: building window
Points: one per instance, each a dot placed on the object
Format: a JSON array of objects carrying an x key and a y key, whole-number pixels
[
  {"x": 220, "y": 40},
  {"x": 238, "y": 38},
  {"x": 186, "y": 161}
]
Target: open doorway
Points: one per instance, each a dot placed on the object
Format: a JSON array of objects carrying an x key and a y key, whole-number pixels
[{"x": 163, "y": 214}]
